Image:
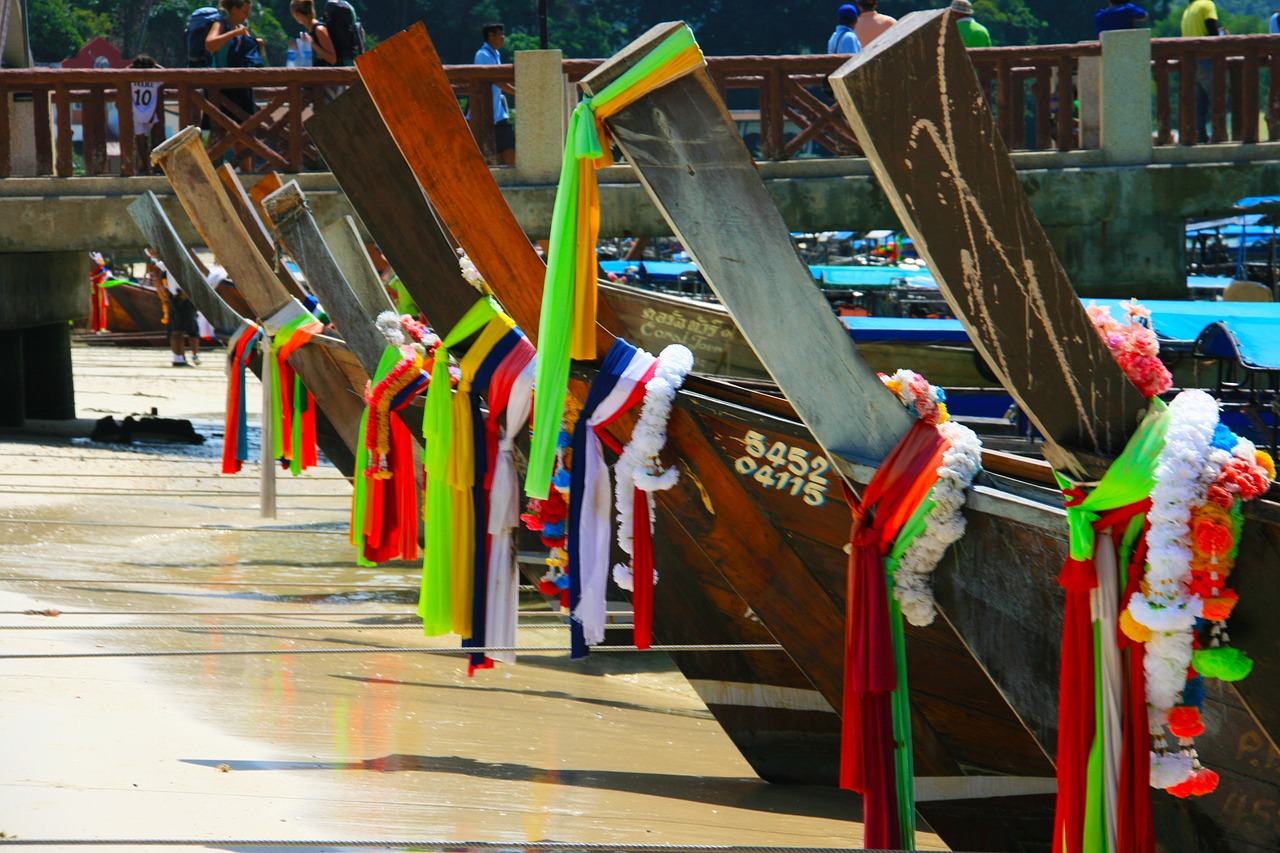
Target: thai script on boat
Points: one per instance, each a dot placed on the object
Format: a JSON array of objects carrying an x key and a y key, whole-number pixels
[
  {"x": 784, "y": 468},
  {"x": 706, "y": 337}
]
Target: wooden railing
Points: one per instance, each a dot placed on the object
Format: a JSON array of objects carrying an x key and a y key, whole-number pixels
[{"x": 1033, "y": 91}]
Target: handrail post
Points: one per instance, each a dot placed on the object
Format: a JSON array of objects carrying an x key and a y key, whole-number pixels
[
  {"x": 544, "y": 114},
  {"x": 1125, "y": 97}
]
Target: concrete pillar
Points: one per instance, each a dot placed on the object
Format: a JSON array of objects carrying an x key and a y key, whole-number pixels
[
  {"x": 47, "y": 376},
  {"x": 39, "y": 293},
  {"x": 22, "y": 137},
  {"x": 542, "y": 115},
  {"x": 1125, "y": 103},
  {"x": 13, "y": 408},
  {"x": 1089, "y": 90}
]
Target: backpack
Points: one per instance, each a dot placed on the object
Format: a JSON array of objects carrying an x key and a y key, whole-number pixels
[
  {"x": 198, "y": 26},
  {"x": 344, "y": 29},
  {"x": 243, "y": 53}
]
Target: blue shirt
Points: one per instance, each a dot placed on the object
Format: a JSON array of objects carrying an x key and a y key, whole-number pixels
[
  {"x": 486, "y": 55},
  {"x": 1118, "y": 17},
  {"x": 843, "y": 40},
  {"x": 1275, "y": 24}
]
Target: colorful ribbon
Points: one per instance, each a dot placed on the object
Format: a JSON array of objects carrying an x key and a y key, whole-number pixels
[
  {"x": 618, "y": 386},
  {"x": 235, "y": 441},
  {"x": 1095, "y": 808},
  {"x": 436, "y": 601},
  {"x": 868, "y": 732},
  {"x": 293, "y": 409},
  {"x": 566, "y": 328},
  {"x": 384, "y": 506}
]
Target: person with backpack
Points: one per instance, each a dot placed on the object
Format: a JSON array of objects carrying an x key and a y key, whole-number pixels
[
  {"x": 231, "y": 45},
  {"x": 345, "y": 32},
  {"x": 323, "y": 54}
]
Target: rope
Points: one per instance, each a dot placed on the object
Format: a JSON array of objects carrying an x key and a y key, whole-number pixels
[
  {"x": 559, "y": 846},
  {"x": 674, "y": 647},
  {"x": 413, "y": 626},
  {"x": 212, "y": 528}
]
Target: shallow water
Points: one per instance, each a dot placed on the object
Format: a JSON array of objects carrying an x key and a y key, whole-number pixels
[{"x": 376, "y": 745}]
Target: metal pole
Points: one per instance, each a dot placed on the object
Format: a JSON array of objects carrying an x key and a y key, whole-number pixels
[
  {"x": 542, "y": 24},
  {"x": 267, "y": 483}
]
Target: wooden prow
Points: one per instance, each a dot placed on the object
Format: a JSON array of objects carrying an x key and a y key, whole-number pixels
[
  {"x": 185, "y": 163},
  {"x": 943, "y": 162}
]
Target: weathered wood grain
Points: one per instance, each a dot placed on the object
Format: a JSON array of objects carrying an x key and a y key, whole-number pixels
[
  {"x": 287, "y": 210},
  {"x": 385, "y": 194},
  {"x": 949, "y": 177},
  {"x": 349, "y": 253},
  {"x": 154, "y": 224},
  {"x": 185, "y": 163}
]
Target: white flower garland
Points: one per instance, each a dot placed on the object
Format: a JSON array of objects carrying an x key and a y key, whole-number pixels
[
  {"x": 638, "y": 466},
  {"x": 912, "y": 579},
  {"x": 1187, "y": 467}
]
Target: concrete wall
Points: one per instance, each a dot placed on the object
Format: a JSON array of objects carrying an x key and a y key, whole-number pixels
[{"x": 39, "y": 288}]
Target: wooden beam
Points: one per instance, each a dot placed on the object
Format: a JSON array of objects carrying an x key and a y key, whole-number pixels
[
  {"x": 385, "y": 194},
  {"x": 947, "y": 173},
  {"x": 691, "y": 159},
  {"x": 185, "y": 163},
  {"x": 287, "y": 210},
  {"x": 349, "y": 253}
]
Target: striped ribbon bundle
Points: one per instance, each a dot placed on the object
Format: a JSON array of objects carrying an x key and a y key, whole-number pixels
[
  {"x": 566, "y": 328},
  {"x": 235, "y": 443}
]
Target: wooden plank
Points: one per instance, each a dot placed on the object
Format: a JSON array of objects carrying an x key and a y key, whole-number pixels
[
  {"x": 161, "y": 236},
  {"x": 185, "y": 163},
  {"x": 160, "y": 233},
  {"x": 62, "y": 103},
  {"x": 128, "y": 140},
  {"x": 406, "y": 81},
  {"x": 93, "y": 131},
  {"x": 287, "y": 209},
  {"x": 43, "y": 130},
  {"x": 256, "y": 225},
  {"x": 349, "y": 253},
  {"x": 951, "y": 182},
  {"x": 6, "y": 109},
  {"x": 703, "y": 180},
  {"x": 386, "y": 196}
]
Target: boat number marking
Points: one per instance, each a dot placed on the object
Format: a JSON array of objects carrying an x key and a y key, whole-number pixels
[{"x": 786, "y": 469}]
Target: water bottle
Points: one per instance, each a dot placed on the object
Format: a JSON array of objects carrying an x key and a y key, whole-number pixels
[
  {"x": 304, "y": 50},
  {"x": 291, "y": 57}
]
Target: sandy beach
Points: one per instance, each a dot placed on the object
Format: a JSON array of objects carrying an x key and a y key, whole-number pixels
[{"x": 365, "y": 745}]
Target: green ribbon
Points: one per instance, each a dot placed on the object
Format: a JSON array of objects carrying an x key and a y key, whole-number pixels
[{"x": 436, "y": 595}]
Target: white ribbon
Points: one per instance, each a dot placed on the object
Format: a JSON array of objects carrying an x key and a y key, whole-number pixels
[
  {"x": 292, "y": 310},
  {"x": 597, "y": 505},
  {"x": 502, "y": 603}
]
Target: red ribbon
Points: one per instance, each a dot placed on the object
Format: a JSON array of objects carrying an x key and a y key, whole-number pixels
[
  {"x": 642, "y": 571},
  {"x": 901, "y": 482}
]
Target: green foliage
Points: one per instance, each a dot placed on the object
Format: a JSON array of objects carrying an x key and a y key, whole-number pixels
[
  {"x": 1170, "y": 26},
  {"x": 52, "y": 30}
]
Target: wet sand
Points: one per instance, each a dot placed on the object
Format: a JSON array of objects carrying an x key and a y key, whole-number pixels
[{"x": 372, "y": 745}]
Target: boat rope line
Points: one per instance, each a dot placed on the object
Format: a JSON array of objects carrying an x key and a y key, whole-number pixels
[
  {"x": 15, "y": 489},
  {"x": 558, "y": 846},
  {"x": 143, "y": 526},
  {"x": 667, "y": 647},
  {"x": 330, "y": 583},
  {"x": 411, "y": 626},
  {"x": 55, "y": 613}
]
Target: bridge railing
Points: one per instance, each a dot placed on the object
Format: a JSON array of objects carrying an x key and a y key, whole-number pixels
[{"x": 782, "y": 102}]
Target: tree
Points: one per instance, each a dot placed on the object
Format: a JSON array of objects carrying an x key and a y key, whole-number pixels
[{"x": 52, "y": 31}]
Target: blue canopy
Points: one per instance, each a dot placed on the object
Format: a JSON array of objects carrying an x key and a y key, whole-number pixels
[{"x": 870, "y": 329}]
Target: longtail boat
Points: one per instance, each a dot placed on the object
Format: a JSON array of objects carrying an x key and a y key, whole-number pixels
[
  {"x": 785, "y": 729},
  {"x": 797, "y": 593},
  {"x": 701, "y": 177},
  {"x": 333, "y": 377},
  {"x": 154, "y": 224}
]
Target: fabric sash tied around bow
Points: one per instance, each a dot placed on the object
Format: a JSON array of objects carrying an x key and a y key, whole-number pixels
[
  {"x": 567, "y": 326},
  {"x": 235, "y": 442},
  {"x": 292, "y": 406}
]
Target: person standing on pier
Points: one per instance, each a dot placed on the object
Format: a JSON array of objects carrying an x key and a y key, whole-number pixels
[
  {"x": 1200, "y": 19},
  {"x": 1119, "y": 16},
  {"x": 870, "y": 22},
  {"x": 844, "y": 39},
  {"x": 972, "y": 33},
  {"x": 324, "y": 55},
  {"x": 490, "y": 53}
]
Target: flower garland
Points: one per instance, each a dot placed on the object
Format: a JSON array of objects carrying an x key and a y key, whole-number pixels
[
  {"x": 549, "y": 516},
  {"x": 639, "y": 467},
  {"x": 1205, "y": 472},
  {"x": 944, "y": 523},
  {"x": 1134, "y": 346}
]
